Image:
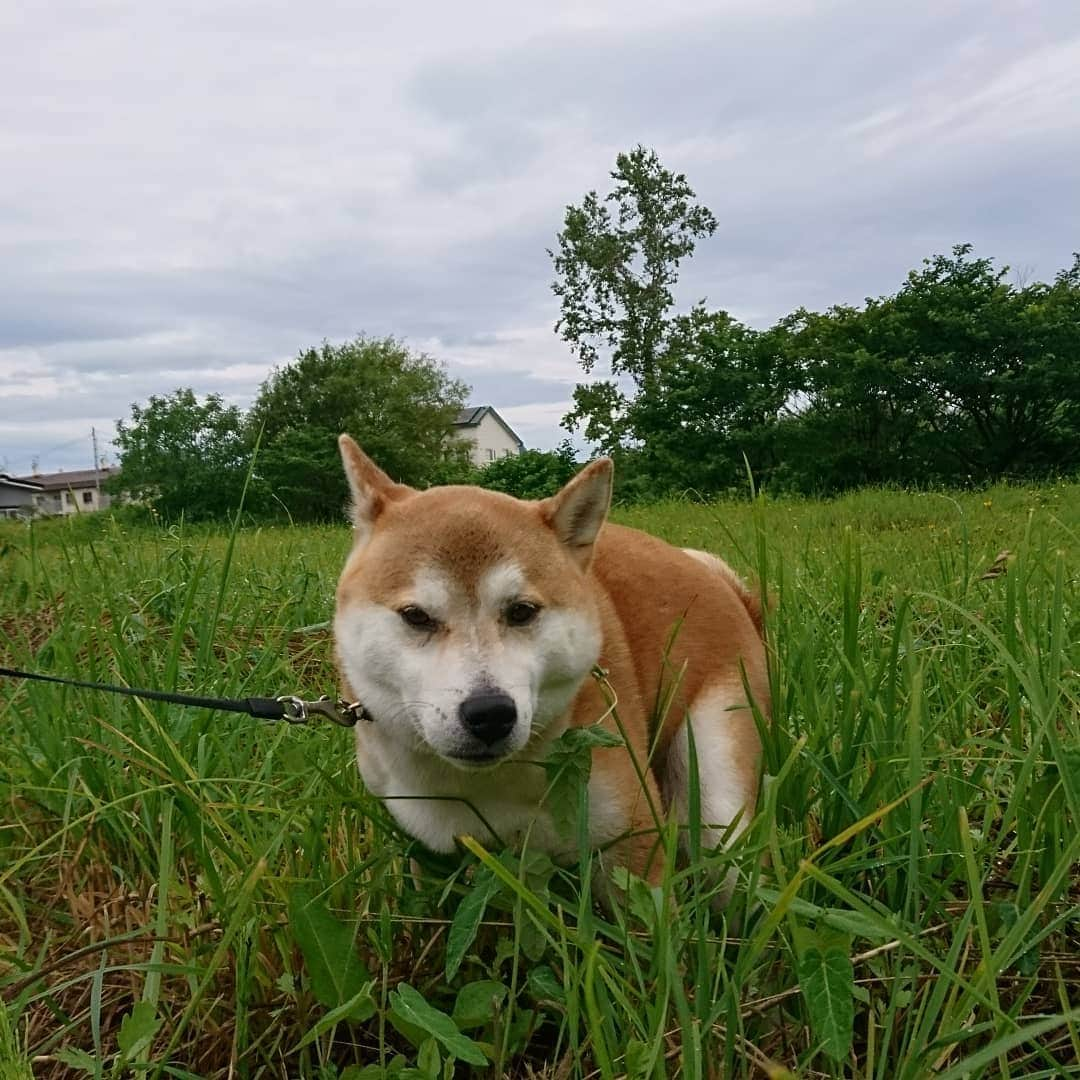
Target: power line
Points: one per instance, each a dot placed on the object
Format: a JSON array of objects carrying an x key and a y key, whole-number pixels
[{"x": 37, "y": 455}]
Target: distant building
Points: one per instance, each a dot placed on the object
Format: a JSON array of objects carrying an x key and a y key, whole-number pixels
[
  {"x": 490, "y": 436},
  {"x": 76, "y": 492},
  {"x": 17, "y": 497}
]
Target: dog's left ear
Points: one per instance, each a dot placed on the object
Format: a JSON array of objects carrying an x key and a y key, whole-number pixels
[
  {"x": 371, "y": 488},
  {"x": 576, "y": 513}
]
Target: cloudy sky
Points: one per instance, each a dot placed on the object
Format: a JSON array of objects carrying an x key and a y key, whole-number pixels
[{"x": 192, "y": 192}]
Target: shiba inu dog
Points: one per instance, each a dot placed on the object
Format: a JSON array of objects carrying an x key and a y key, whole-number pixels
[{"x": 469, "y": 624}]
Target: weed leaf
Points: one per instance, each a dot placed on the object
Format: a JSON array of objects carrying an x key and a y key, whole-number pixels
[
  {"x": 568, "y": 765},
  {"x": 359, "y": 1008},
  {"x": 337, "y": 974},
  {"x": 467, "y": 919},
  {"x": 478, "y": 1002},
  {"x": 828, "y": 982},
  {"x": 139, "y": 1025},
  {"x": 413, "y": 1009}
]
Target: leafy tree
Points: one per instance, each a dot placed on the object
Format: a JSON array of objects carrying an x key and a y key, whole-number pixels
[
  {"x": 958, "y": 376},
  {"x": 532, "y": 474},
  {"x": 184, "y": 456},
  {"x": 723, "y": 395},
  {"x": 616, "y": 265},
  {"x": 1002, "y": 362},
  {"x": 864, "y": 411},
  {"x": 400, "y": 405}
]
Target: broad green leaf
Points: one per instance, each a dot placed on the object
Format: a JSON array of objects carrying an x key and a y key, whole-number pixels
[
  {"x": 361, "y": 1007},
  {"x": 337, "y": 973},
  {"x": 394, "y": 1067},
  {"x": 467, "y": 919},
  {"x": 478, "y": 1002},
  {"x": 827, "y": 978},
  {"x": 413, "y": 1009},
  {"x": 141, "y": 1023},
  {"x": 545, "y": 985},
  {"x": 568, "y": 764},
  {"x": 428, "y": 1060},
  {"x": 77, "y": 1059},
  {"x": 531, "y": 936}
]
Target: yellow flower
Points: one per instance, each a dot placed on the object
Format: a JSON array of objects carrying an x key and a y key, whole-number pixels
[{"x": 988, "y": 503}]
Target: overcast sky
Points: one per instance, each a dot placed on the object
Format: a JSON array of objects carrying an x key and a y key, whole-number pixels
[{"x": 192, "y": 192}]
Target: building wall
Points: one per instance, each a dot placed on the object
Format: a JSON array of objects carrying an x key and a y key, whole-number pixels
[
  {"x": 489, "y": 441},
  {"x": 75, "y": 500},
  {"x": 15, "y": 500}
]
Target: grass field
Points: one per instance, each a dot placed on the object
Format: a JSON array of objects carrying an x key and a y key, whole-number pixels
[{"x": 185, "y": 893}]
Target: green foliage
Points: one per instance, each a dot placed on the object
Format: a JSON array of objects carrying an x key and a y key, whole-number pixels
[
  {"x": 532, "y": 474},
  {"x": 957, "y": 378},
  {"x": 827, "y": 978},
  {"x": 616, "y": 266},
  {"x": 400, "y": 405},
  {"x": 338, "y": 976},
  {"x": 411, "y": 1007},
  {"x": 917, "y": 838},
  {"x": 183, "y": 456},
  {"x": 13, "y": 1063}
]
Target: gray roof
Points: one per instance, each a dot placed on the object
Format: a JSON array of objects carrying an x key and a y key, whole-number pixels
[
  {"x": 471, "y": 416},
  {"x": 61, "y": 481},
  {"x": 19, "y": 482}
]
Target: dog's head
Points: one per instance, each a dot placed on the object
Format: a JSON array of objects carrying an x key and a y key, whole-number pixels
[{"x": 465, "y": 622}]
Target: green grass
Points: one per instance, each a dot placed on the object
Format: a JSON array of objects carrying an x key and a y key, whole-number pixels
[{"x": 194, "y": 894}]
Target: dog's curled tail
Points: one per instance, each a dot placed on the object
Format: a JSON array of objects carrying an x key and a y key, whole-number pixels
[{"x": 750, "y": 600}]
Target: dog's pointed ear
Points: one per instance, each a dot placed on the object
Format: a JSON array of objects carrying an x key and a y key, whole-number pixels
[
  {"x": 372, "y": 490},
  {"x": 576, "y": 513}
]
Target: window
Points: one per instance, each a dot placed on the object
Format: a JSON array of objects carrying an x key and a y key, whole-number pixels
[
  {"x": 506, "y": 453},
  {"x": 69, "y": 498},
  {"x": 491, "y": 454},
  {"x": 88, "y": 497}
]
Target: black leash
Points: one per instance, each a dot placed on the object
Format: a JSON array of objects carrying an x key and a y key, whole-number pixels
[{"x": 292, "y": 709}]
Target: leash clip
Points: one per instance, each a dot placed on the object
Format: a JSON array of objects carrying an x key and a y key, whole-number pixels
[{"x": 340, "y": 712}]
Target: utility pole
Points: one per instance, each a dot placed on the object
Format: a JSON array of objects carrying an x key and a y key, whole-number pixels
[{"x": 97, "y": 471}]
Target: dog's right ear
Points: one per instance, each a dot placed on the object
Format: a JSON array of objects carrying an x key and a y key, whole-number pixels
[{"x": 372, "y": 490}]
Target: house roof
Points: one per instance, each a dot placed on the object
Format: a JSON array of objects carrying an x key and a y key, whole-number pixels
[
  {"x": 17, "y": 482},
  {"x": 61, "y": 481},
  {"x": 471, "y": 416}
]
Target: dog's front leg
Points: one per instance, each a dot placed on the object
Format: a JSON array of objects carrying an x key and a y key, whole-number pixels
[{"x": 625, "y": 816}]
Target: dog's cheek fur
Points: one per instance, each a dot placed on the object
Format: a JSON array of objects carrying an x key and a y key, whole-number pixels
[
  {"x": 380, "y": 664},
  {"x": 566, "y": 648}
]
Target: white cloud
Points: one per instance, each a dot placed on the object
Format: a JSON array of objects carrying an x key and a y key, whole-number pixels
[{"x": 193, "y": 193}]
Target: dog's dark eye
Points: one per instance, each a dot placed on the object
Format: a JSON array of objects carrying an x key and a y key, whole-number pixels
[
  {"x": 521, "y": 613},
  {"x": 418, "y": 618}
]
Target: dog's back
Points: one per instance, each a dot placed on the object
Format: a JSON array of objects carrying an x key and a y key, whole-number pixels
[{"x": 686, "y": 642}]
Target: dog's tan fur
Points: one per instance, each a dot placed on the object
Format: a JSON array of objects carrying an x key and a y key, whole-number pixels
[{"x": 649, "y": 601}]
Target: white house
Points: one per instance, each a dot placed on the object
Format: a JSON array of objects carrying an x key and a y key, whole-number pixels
[
  {"x": 76, "y": 492},
  {"x": 491, "y": 437}
]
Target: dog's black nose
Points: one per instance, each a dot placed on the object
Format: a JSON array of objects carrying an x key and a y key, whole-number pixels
[{"x": 489, "y": 715}]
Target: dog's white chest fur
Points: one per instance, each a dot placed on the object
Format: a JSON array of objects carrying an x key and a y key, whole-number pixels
[{"x": 437, "y": 804}]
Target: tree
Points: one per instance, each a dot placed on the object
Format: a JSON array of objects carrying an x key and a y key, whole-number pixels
[
  {"x": 614, "y": 278},
  {"x": 864, "y": 412},
  {"x": 722, "y": 395},
  {"x": 399, "y": 405},
  {"x": 532, "y": 474},
  {"x": 184, "y": 456},
  {"x": 1002, "y": 363},
  {"x": 958, "y": 376}
]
